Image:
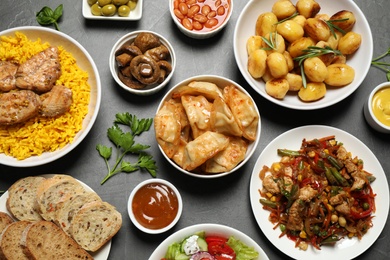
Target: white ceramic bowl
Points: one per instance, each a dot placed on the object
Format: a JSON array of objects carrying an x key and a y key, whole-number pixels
[
  {"x": 220, "y": 82},
  {"x": 149, "y": 89},
  {"x": 360, "y": 61},
  {"x": 134, "y": 15},
  {"x": 371, "y": 119},
  {"x": 86, "y": 63},
  {"x": 209, "y": 229},
  {"x": 201, "y": 34},
  {"x": 131, "y": 213}
]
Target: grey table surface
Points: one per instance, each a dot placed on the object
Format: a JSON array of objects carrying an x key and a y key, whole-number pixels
[{"x": 226, "y": 200}]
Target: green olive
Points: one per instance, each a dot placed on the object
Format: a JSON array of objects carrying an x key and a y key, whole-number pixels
[
  {"x": 120, "y": 2},
  {"x": 92, "y": 2},
  {"x": 108, "y": 10},
  {"x": 104, "y": 2},
  {"x": 96, "y": 10},
  {"x": 123, "y": 10},
  {"x": 132, "y": 4}
]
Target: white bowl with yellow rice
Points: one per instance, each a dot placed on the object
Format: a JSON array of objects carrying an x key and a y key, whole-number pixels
[{"x": 42, "y": 140}]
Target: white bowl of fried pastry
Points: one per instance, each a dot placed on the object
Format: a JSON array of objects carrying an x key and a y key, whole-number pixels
[
  {"x": 57, "y": 217},
  {"x": 207, "y": 126},
  {"x": 50, "y": 95}
]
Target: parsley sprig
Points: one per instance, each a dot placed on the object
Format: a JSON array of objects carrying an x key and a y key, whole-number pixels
[
  {"x": 311, "y": 52},
  {"x": 125, "y": 144}
]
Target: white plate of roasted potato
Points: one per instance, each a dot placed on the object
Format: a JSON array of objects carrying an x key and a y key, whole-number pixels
[{"x": 303, "y": 54}]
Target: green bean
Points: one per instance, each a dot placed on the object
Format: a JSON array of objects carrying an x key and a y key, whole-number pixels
[
  {"x": 330, "y": 239},
  {"x": 287, "y": 152},
  {"x": 335, "y": 162},
  {"x": 339, "y": 177},
  {"x": 331, "y": 178},
  {"x": 268, "y": 203}
]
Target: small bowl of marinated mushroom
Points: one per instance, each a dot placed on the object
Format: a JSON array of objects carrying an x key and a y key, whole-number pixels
[{"x": 142, "y": 62}]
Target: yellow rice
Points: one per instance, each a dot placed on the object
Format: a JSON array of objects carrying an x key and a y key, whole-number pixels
[{"x": 40, "y": 134}]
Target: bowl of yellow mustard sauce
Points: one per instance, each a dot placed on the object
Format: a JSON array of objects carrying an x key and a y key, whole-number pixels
[{"x": 377, "y": 108}]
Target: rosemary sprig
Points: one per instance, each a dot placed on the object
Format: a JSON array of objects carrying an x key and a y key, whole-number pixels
[
  {"x": 311, "y": 52},
  {"x": 288, "y": 18},
  {"x": 382, "y": 65},
  {"x": 272, "y": 42},
  {"x": 333, "y": 27}
]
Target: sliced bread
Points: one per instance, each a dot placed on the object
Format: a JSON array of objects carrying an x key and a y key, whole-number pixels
[
  {"x": 54, "y": 190},
  {"x": 10, "y": 247},
  {"x": 5, "y": 220},
  {"x": 95, "y": 224},
  {"x": 21, "y": 198},
  {"x": 70, "y": 206},
  {"x": 45, "y": 240}
]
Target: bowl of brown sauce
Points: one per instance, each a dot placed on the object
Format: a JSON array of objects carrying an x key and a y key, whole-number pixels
[
  {"x": 155, "y": 206},
  {"x": 142, "y": 62}
]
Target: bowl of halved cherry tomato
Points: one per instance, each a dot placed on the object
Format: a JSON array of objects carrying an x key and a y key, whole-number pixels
[{"x": 208, "y": 241}]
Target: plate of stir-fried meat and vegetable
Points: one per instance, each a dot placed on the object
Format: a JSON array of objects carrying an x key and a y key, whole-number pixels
[{"x": 317, "y": 191}]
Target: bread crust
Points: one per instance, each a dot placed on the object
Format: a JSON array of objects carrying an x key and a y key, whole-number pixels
[
  {"x": 21, "y": 198},
  {"x": 10, "y": 247},
  {"x": 45, "y": 240},
  {"x": 95, "y": 224}
]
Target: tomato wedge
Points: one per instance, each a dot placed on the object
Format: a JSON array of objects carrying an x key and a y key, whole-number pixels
[{"x": 218, "y": 247}]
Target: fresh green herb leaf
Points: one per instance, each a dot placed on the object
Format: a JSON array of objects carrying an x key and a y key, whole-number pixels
[
  {"x": 125, "y": 144},
  {"x": 46, "y": 16},
  {"x": 288, "y": 18},
  {"x": 272, "y": 42},
  {"x": 311, "y": 52},
  {"x": 382, "y": 65},
  {"x": 136, "y": 126},
  {"x": 333, "y": 27}
]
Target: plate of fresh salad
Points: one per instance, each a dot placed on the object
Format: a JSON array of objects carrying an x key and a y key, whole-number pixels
[
  {"x": 208, "y": 241},
  {"x": 317, "y": 191}
]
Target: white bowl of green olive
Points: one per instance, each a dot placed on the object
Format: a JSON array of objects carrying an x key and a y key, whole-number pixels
[
  {"x": 112, "y": 9},
  {"x": 142, "y": 62}
]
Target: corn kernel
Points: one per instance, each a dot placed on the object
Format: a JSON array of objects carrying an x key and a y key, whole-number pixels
[
  {"x": 350, "y": 235},
  {"x": 330, "y": 207},
  {"x": 332, "y": 142},
  {"x": 326, "y": 151},
  {"x": 299, "y": 177},
  {"x": 303, "y": 246},
  {"x": 342, "y": 221},
  {"x": 334, "y": 218},
  {"x": 302, "y": 234},
  {"x": 273, "y": 198},
  {"x": 276, "y": 166},
  {"x": 311, "y": 154},
  {"x": 269, "y": 194}
]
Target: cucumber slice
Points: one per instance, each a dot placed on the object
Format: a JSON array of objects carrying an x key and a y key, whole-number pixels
[
  {"x": 182, "y": 256},
  {"x": 202, "y": 244}
]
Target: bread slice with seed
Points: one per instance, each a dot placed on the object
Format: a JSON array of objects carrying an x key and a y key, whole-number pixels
[
  {"x": 53, "y": 191},
  {"x": 70, "y": 206},
  {"x": 45, "y": 240},
  {"x": 21, "y": 198},
  {"x": 95, "y": 224},
  {"x": 10, "y": 247},
  {"x": 5, "y": 220}
]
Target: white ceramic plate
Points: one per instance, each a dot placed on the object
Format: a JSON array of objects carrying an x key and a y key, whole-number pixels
[
  {"x": 346, "y": 248},
  {"x": 360, "y": 61},
  {"x": 220, "y": 82},
  {"x": 103, "y": 252},
  {"x": 210, "y": 229},
  {"x": 135, "y": 14},
  {"x": 86, "y": 63}
]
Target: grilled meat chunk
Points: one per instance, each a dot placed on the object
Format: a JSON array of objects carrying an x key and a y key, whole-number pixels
[
  {"x": 7, "y": 75},
  {"x": 56, "y": 102},
  {"x": 18, "y": 106},
  {"x": 40, "y": 72}
]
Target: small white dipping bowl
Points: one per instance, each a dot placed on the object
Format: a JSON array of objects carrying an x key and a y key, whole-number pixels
[
  {"x": 200, "y": 34},
  {"x": 371, "y": 119},
  {"x": 133, "y": 217},
  {"x": 149, "y": 89},
  {"x": 221, "y": 82}
]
